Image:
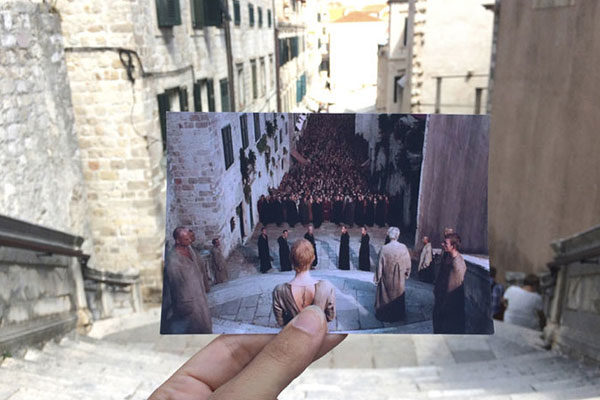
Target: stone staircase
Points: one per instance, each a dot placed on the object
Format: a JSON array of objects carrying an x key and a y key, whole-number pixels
[{"x": 130, "y": 364}]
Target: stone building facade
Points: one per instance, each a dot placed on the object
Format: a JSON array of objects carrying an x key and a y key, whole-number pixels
[
  {"x": 43, "y": 198},
  {"x": 446, "y": 66},
  {"x": 131, "y": 62},
  {"x": 208, "y": 191}
]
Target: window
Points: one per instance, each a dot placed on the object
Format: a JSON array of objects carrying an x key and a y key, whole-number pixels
[
  {"x": 237, "y": 15},
  {"x": 263, "y": 77},
  {"x": 318, "y": 17},
  {"x": 244, "y": 130},
  {"x": 256, "y": 127},
  {"x": 269, "y": 17},
  {"x": 198, "y": 95},
  {"x": 240, "y": 89},
  {"x": 227, "y": 146},
  {"x": 173, "y": 99},
  {"x": 250, "y": 15},
  {"x": 254, "y": 78},
  {"x": 168, "y": 12},
  {"x": 404, "y": 38},
  {"x": 260, "y": 19},
  {"x": 398, "y": 88},
  {"x": 280, "y": 136},
  {"x": 210, "y": 89},
  {"x": 206, "y": 13},
  {"x": 224, "y": 86}
]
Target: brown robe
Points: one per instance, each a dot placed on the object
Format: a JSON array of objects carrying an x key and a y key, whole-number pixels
[
  {"x": 392, "y": 271},
  {"x": 188, "y": 297},
  {"x": 285, "y": 308},
  {"x": 219, "y": 266}
]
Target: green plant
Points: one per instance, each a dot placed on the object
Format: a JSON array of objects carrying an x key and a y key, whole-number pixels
[
  {"x": 247, "y": 192},
  {"x": 285, "y": 151},
  {"x": 261, "y": 145}
]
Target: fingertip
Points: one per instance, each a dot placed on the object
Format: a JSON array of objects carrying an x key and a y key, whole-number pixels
[{"x": 311, "y": 320}]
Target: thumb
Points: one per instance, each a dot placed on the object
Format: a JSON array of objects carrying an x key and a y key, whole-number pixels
[{"x": 280, "y": 361}]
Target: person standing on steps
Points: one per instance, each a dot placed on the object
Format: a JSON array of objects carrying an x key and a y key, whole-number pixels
[
  {"x": 390, "y": 277},
  {"x": 284, "y": 252},
  {"x": 311, "y": 238},
  {"x": 219, "y": 266},
  {"x": 263, "y": 251},
  {"x": 364, "y": 254},
  {"x": 186, "y": 287},
  {"x": 344, "y": 256}
]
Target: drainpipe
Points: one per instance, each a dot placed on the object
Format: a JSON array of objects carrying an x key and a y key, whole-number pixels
[
  {"x": 277, "y": 77},
  {"x": 230, "y": 78}
]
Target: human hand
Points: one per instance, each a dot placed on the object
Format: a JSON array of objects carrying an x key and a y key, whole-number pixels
[{"x": 251, "y": 366}]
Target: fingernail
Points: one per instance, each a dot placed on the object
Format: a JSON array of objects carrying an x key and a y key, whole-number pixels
[{"x": 310, "y": 320}]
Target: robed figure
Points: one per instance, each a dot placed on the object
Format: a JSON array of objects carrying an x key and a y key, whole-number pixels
[
  {"x": 344, "y": 256},
  {"x": 392, "y": 271},
  {"x": 263, "y": 252},
  {"x": 311, "y": 238},
  {"x": 187, "y": 291},
  {"x": 349, "y": 213},
  {"x": 370, "y": 213},
  {"x": 292, "y": 212},
  {"x": 219, "y": 266},
  {"x": 284, "y": 253},
  {"x": 317, "y": 213},
  {"x": 303, "y": 211},
  {"x": 364, "y": 256}
]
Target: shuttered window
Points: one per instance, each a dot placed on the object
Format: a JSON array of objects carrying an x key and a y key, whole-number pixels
[
  {"x": 210, "y": 89},
  {"x": 224, "y": 86},
  {"x": 206, "y": 13},
  {"x": 254, "y": 79},
  {"x": 244, "y": 130},
  {"x": 227, "y": 146},
  {"x": 260, "y": 17},
  {"x": 237, "y": 15},
  {"x": 163, "y": 107},
  {"x": 168, "y": 13},
  {"x": 198, "y": 96},
  {"x": 256, "y": 127},
  {"x": 269, "y": 17},
  {"x": 250, "y": 14},
  {"x": 183, "y": 99}
]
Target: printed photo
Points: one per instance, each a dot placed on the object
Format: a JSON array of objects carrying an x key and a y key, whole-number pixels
[{"x": 378, "y": 219}]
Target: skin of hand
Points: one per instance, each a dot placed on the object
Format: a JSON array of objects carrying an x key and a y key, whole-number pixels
[{"x": 252, "y": 366}]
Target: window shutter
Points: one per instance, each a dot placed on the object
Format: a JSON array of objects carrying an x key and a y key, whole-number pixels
[
  {"x": 210, "y": 88},
  {"x": 250, "y": 14},
  {"x": 224, "y": 86},
  {"x": 256, "y": 127},
  {"x": 197, "y": 96},
  {"x": 168, "y": 12},
  {"x": 197, "y": 14},
  {"x": 269, "y": 18},
  {"x": 244, "y": 129},
  {"x": 237, "y": 15},
  {"x": 260, "y": 17},
  {"x": 298, "y": 91},
  {"x": 183, "y": 99},
  {"x": 163, "y": 107},
  {"x": 213, "y": 15}
]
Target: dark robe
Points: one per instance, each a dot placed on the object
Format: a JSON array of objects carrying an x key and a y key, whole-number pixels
[
  {"x": 317, "y": 214},
  {"x": 380, "y": 213},
  {"x": 311, "y": 239},
  {"x": 277, "y": 212},
  {"x": 284, "y": 210},
  {"x": 349, "y": 213},
  {"x": 359, "y": 213},
  {"x": 338, "y": 208},
  {"x": 344, "y": 256},
  {"x": 284, "y": 254},
  {"x": 448, "y": 307},
  {"x": 292, "y": 213},
  {"x": 263, "y": 253},
  {"x": 364, "y": 260},
  {"x": 303, "y": 212},
  {"x": 327, "y": 210},
  {"x": 370, "y": 213},
  {"x": 262, "y": 208},
  {"x": 309, "y": 209}
]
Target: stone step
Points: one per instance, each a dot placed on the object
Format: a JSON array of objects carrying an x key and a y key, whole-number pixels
[{"x": 29, "y": 393}]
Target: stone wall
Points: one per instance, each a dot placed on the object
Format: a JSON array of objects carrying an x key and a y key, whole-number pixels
[
  {"x": 454, "y": 180},
  {"x": 118, "y": 122},
  {"x": 544, "y": 164},
  {"x": 40, "y": 167},
  {"x": 202, "y": 194}
]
